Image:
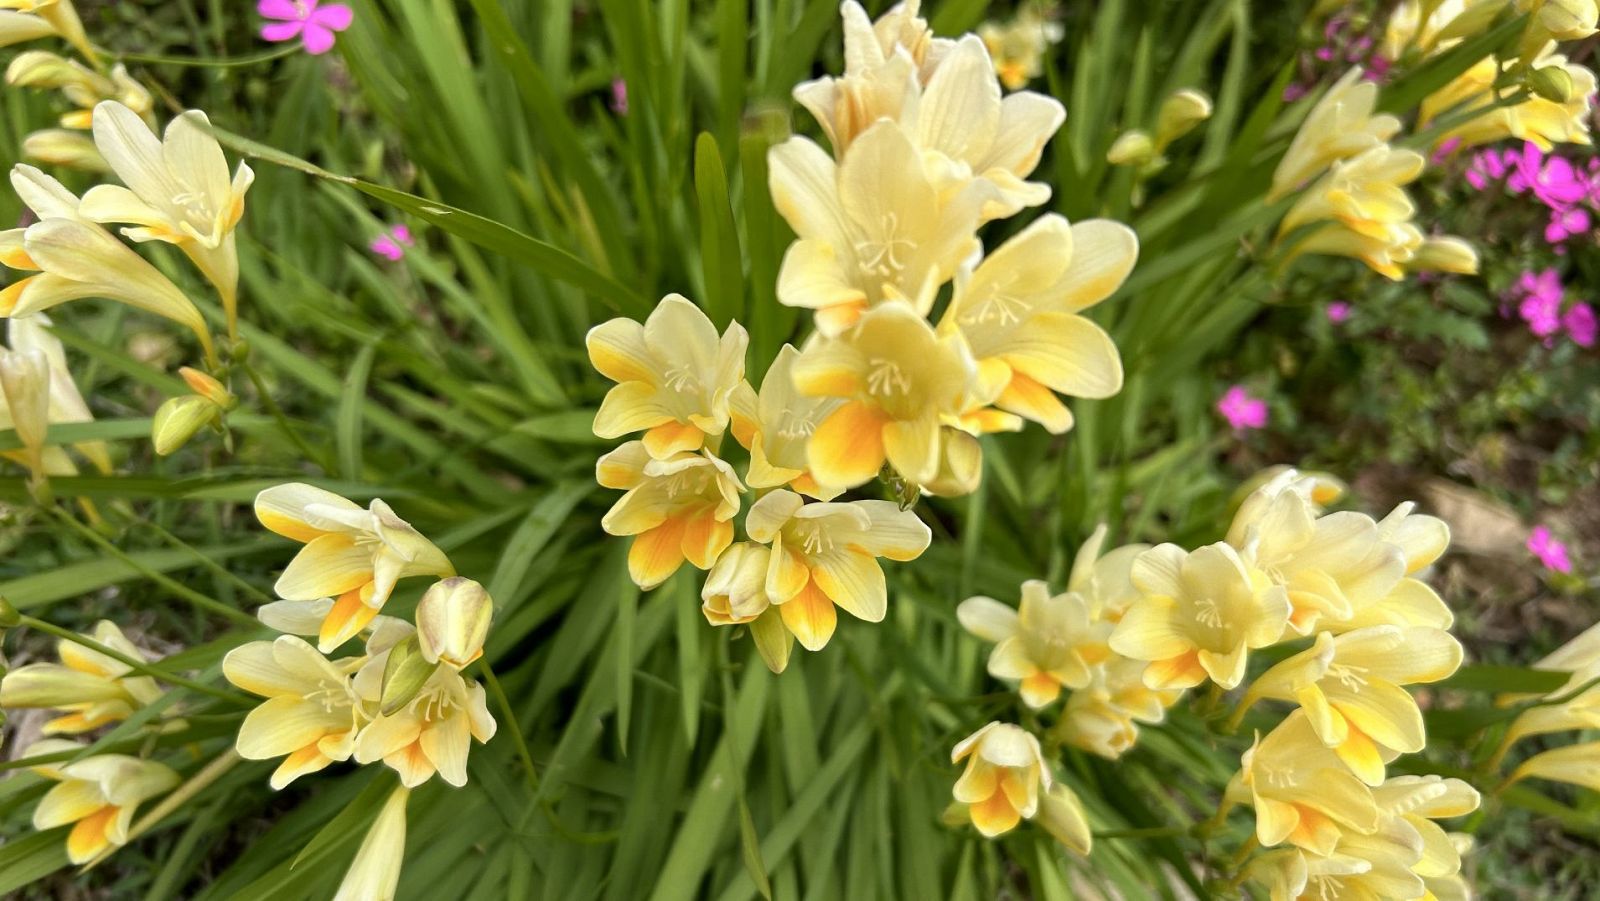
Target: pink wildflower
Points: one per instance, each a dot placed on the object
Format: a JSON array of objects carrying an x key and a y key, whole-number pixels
[
  {"x": 1540, "y": 306},
  {"x": 1241, "y": 410},
  {"x": 1551, "y": 552},
  {"x": 619, "y": 96},
  {"x": 1566, "y": 223},
  {"x": 392, "y": 244},
  {"x": 314, "y": 24},
  {"x": 1338, "y": 311},
  {"x": 1580, "y": 324},
  {"x": 1487, "y": 166}
]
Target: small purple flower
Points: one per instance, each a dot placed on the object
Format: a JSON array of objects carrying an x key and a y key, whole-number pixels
[
  {"x": 619, "y": 96},
  {"x": 1294, "y": 91},
  {"x": 392, "y": 244},
  {"x": 1338, "y": 311},
  {"x": 1445, "y": 151},
  {"x": 1540, "y": 306},
  {"x": 1378, "y": 67},
  {"x": 1242, "y": 410},
  {"x": 1566, "y": 223},
  {"x": 1486, "y": 166},
  {"x": 311, "y": 21},
  {"x": 1579, "y": 321},
  {"x": 1553, "y": 180},
  {"x": 1551, "y": 552}
]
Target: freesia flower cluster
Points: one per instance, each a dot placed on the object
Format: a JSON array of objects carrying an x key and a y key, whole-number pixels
[
  {"x": 1139, "y": 626},
  {"x": 926, "y": 148}
]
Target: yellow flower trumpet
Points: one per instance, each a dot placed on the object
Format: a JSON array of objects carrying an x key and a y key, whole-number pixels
[{"x": 96, "y": 795}]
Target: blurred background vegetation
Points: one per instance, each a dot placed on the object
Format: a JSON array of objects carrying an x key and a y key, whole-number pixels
[{"x": 670, "y": 763}]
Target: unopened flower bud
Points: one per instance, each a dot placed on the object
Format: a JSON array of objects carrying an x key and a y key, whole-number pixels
[
  {"x": 1565, "y": 20},
  {"x": 453, "y": 620},
  {"x": 40, "y": 69},
  {"x": 736, "y": 588},
  {"x": 1132, "y": 148},
  {"x": 25, "y": 380},
  {"x": 63, "y": 147},
  {"x": 1179, "y": 114},
  {"x": 208, "y": 388},
  {"x": 1445, "y": 255},
  {"x": 178, "y": 420},
  {"x": 1552, "y": 83},
  {"x": 404, "y": 674},
  {"x": 9, "y": 617}
]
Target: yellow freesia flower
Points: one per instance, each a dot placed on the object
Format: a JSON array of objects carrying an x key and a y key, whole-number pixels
[
  {"x": 1445, "y": 25},
  {"x": 1342, "y": 125},
  {"x": 432, "y": 733},
  {"x": 1105, "y": 579},
  {"x": 453, "y": 621},
  {"x": 1362, "y": 211},
  {"x": 1537, "y": 119},
  {"x": 900, "y": 381},
  {"x": 1409, "y": 602},
  {"x": 1330, "y": 565},
  {"x": 59, "y": 17},
  {"x": 1418, "y": 801},
  {"x": 1049, "y": 642},
  {"x": 374, "y": 873},
  {"x": 76, "y": 258},
  {"x": 775, "y": 425},
  {"x": 1350, "y": 688},
  {"x": 678, "y": 509},
  {"x": 1019, "y": 313},
  {"x": 675, "y": 377},
  {"x": 1581, "y": 658},
  {"x": 1559, "y": 20},
  {"x": 1103, "y": 716},
  {"x": 1061, "y": 814},
  {"x": 1301, "y": 791},
  {"x": 1019, "y": 46},
  {"x": 351, "y": 554},
  {"x": 1199, "y": 615},
  {"x": 311, "y": 713},
  {"x": 826, "y": 554},
  {"x": 735, "y": 590},
  {"x": 96, "y": 795},
  {"x": 869, "y": 44},
  {"x": 872, "y": 228},
  {"x": 1004, "y": 779},
  {"x": 178, "y": 191},
  {"x": 25, "y": 386},
  {"x": 92, "y": 689}
]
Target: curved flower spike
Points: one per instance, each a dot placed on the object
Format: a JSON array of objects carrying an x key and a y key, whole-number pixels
[
  {"x": 311, "y": 713},
  {"x": 679, "y": 509},
  {"x": 826, "y": 554},
  {"x": 178, "y": 191},
  {"x": 1019, "y": 312},
  {"x": 1365, "y": 211},
  {"x": 1004, "y": 778},
  {"x": 1350, "y": 688},
  {"x": 1199, "y": 616},
  {"x": 900, "y": 381},
  {"x": 1050, "y": 642},
  {"x": 96, "y": 795},
  {"x": 350, "y": 554},
  {"x": 92, "y": 689},
  {"x": 675, "y": 377},
  {"x": 1301, "y": 791}
]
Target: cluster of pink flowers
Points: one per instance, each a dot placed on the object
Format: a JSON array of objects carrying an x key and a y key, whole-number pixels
[
  {"x": 392, "y": 244},
  {"x": 1342, "y": 45},
  {"x": 1539, "y": 297},
  {"x": 1566, "y": 189},
  {"x": 314, "y": 23}
]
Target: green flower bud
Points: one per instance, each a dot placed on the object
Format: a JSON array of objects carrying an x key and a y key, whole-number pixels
[
  {"x": 403, "y": 675},
  {"x": 177, "y": 421}
]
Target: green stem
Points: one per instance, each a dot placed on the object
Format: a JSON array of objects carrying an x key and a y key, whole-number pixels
[
  {"x": 225, "y": 62},
  {"x": 189, "y": 594},
  {"x": 282, "y": 420},
  {"x": 207, "y": 562},
  {"x": 134, "y": 663},
  {"x": 504, "y": 704},
  {"x": 1146, "y": 832}
]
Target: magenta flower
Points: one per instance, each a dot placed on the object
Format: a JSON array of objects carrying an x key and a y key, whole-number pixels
[
  {"x": 1552, "y": 553},
  {"x": 1566, "y": 223},
  {"x": 1294, "y": 91},
  {"x": 619, "y": 96},
  {"x": 1580, "y": 324},
  {"x": 392, "y": 244},
  {"x": 1338, "y": 311},
  {"x": 1445, "y": 151},
  {"x": 1553, "y": 180},
  {"x": 1241, "y": 410},
  {"x": 313, "y": 22},
  {"x": 1487, "y": 166}
]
